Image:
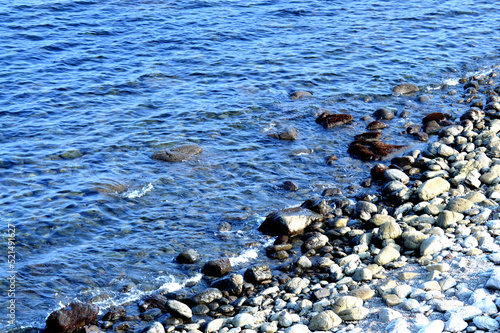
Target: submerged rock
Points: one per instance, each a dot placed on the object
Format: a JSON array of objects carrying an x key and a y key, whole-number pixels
[
  {"x": 405, "y": 88},
  {"x": 178, "y": 154},
  {"x": 300, "y": 94},
  {"x": 329, "y": 120},
  {"x": 71, "y": 317},
  {"x": 373, "y": 150}
]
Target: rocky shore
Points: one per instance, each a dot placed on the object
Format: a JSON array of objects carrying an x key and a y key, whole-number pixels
[{"x": 416, "y": 252}]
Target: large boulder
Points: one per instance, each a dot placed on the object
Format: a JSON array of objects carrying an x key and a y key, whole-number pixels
[
  {"x": 290, "y": 221},
  {"x": 218, "y": 268},
  {"x": 258, "y": 274},
  {"x": 71, "y": 317}
]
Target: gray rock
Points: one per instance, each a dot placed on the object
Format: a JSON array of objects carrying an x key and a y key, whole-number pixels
[
  {"x": 459, "y": 205},
  {"x": 447, "y": 219},
  {"x": 298, "y": 328},
  {"x": 494, "y": 280},
  {"x": 389, "y": 230},
  {"x": 156, "y": 327},
  {"x": 346, "y": 302},
  {"x": 296, "y": 284},
  {"x": 189, "y": 256},
  {"x": 290, "y": 221},
  {"x": 315, "y": 242},
  {"x": 324, "y": 321},
  {"x": 271, "y": 327},
  {"x": 362, "y": 274},
  {"x": 438, "y": 149},
  {"x": 432, "y": 188},
  {"x": 464, "y": 312},
  {"x": 179, "y": 309},
  {"x": 486, "y": 323},
  {"x": 435, "y": 326},
  {"x": 405, "y": 88},
  {"x": 243, "y": 319},
  {"x": 432, "y": 245},
  {"x": 387, "y": 315},
  {"x": 216, "y": 324},
  {"x": 285, "y": 319},
  {"x": 258, "y": 273},
  {"x": 395, "y": 174},
  {"x": 455, "y": 324},
  {"x": 207, "y": 296},
  {"x": 387, "y": 255},
  {"x": 300, "y": 94},
  {"x": 358, "y": 313},
  {"x": 413, "y": 239}
]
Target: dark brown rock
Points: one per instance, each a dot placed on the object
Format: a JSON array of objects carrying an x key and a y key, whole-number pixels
[
  {"x": 376, "y": 125},
  {"x": 290, "y": 186},
  {"x": 369, "y": 136},
  {"x": 329, "y": 192},
  {"x": 421, "y": 136},
  {"x": 72, "y": 317},
  {"x": 288, "y": 134},
  {"x": 217, "y": 268},
  {"x": 329, "y": 120},
  {"x": 436, "y": 116},
  {"x": 152, "y": 302},
  {"x": 372, "y": 150}
]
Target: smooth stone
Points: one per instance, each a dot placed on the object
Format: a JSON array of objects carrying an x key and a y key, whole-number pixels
[
  {"x": 358, "y": 313},
  {"x": 432, "y": 245},
  {"x": 243, "y": 319},
  {"x": 388, "y": 315},
  {"x": 432, "y": 188},
  {"x": 494, "y": 280},
  {"x": 324, "y": 321},
  {"x": 346, "y": 302},
  {"x": 216, "y": 324},
  {"x": 300, "y": 94},
  {"x": 380, "y": 219},
  {"x": 180, "y": 309},
  {"x": 464, "y": 312},
  {"x": 395, "y": 174},
  {"x": 405, "y": 88},
  {"x": 459, "y": 205},
  {"x": 435, "y": 326},
  {"x": 486, "y": 323},
  {"x": 298, "y": 328},
  {"x": 156, "y": 327},
  {"x": 207, "y": 296},
  {"x": 290, "y": 221},
  {"x": 387, "y": 255},
  {"x": 455, "y": 324}
]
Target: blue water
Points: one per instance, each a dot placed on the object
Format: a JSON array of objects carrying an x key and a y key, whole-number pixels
[{"x": 89, "y": 90}]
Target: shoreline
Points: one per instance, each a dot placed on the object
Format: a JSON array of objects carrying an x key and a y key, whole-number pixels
[{"x": 345, "y": 259}]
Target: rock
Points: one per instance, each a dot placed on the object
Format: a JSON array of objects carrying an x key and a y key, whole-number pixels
[
  {"x": 455, "y": 324},
  {"x": 179, "y": 153},
  {"x": 71, "y": 317},
  {"x": 300, "y": 94},
  {"x": 405, "y": 88},
  {"x": 435, "y": 326},
  {"x": 388, "y": 315},
  {"x": 178, "y": 309},
  {"x": 435, "y": 116},
  {"x": 329, "y": 120},
  {"x": 421, "y": 136},
  {"x": 376, "y": 125},
  {"x": 290, "y": 186},
  {"x": 285, "y": 319},
  {"x": 216, "y": 324},
  {"x": 290, "y": 221},
  {"x": 271, "y": 327},
  {"x": 380, "y": 219},
  {"x": 243, "y": 319},
  {"x": 494, "y": 280},
  {"x": 389, "y": 230},
  {"x": 432, "y": 245},
  {"x": 383, "y": 114},
  {"x": 362, "y": 274},
  {"x": 368, "y": 136},
  {"x": 298, "y": 328},
  {"x": 486, "y": 323},
  {"x": 289, "y": 134},
  {"x": 296, "y": 284},
  {"x": 432, "y": 188},
  {"x": 156, "y": 327},
  {"x": 315, "y": 242},
  {"x": 353, "y": 314},
  {"x": 447, "y": 219},
  {"x": 114, "y": 313},
  {"x": 387, "y": 255},
  {"x": 324, "y": 321},
  {"x": 208, "y": 296},
  {"x": 217, "y": 268},
  {"x": 346, "y": 302},
  {"x": 373, "y": 150},
  {"x": 152, "y": 301},
  {"x": 395, "y": 174},
  {"x": 438, "y": 149},
  {"x": 464, "y": 312},
  {"x": 258, "y": 274},
  {"x": 189, "y": 256},
  {"x": 459, "y": 205},
  {"x": 151, "y": 314},
  {"x": 320, "y": 294}
]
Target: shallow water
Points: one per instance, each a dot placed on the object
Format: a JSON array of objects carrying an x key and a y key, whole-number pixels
[{"x": 90, "y": 90}]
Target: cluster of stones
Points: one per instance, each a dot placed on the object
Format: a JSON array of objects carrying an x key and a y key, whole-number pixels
[{"x": 436, "y": 209}]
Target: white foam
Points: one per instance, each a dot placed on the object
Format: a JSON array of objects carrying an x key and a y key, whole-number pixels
[
  {"x": 173, "y": 285},
  {"x": 139, "y": 193},
  {"x": 249, "y": 254}
]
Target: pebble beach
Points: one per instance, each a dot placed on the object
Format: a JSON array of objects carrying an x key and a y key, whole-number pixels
[{"x": 416, "y": 252}]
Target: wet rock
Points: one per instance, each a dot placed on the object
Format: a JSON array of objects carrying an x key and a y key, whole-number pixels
[
  {"x": 258, "y": 274},
  {"x": 405, "y": 88},
  {"x": 217, "y": 268},
  {"x": 290, "y": 186},
  {"x": 289, "y": 134},
  {"x": 383, "y": 114},
  {"x": 421, "y": 136},
  {"x": 300, "y": 94},
  {"x": 329, "y": 120},
  {"x": 71, "y": 317},
  {"x": 207, "y": 296},
  {"x": 114, "y": 313},
  {"x": 368, "y": 136},
  {"x": 156, "y": 327},
  {"x": 151, "y": 314},
  {"x": 179, "y": 153},
  {"x": 436, "y": 116},
  {"x": 413, "y": 129},
  {"x": 376, "y": 125},
  {"x": 189, "y": 256},
  {"x": 432, "y": 127},
  {"x": 152, "y": 301},
  {"x": 178, "y": 309},
  {"x": 290, "y": 221},
  {"x": 320, "y": 206},
  {"x": 373, "y": 150}
]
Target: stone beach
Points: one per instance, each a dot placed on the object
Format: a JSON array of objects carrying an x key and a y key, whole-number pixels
[{"x": 417, "y": 252}]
